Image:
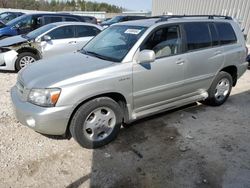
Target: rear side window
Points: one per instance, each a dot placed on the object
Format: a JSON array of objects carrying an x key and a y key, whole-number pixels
[
  {"x": 226, "y": 33},
  {"x": 62, "y": 33},
  {"x": 69, "y": 19},
  {"x": 52, "y": 19},
  {"x": 214, "y": 35},
  {"x": 86, "y": 31},
  {"x": 197, "y": 36}
]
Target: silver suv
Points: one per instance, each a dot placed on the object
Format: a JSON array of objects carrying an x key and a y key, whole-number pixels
[{"x": 129, "y": 71}]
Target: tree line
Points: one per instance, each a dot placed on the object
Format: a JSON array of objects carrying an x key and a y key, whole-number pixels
[{"x": 56, "y": 5}]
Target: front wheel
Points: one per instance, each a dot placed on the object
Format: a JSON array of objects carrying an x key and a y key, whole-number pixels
[
  {"x": 220, "y": 89},
  {"x": 96, "y": 123},
  {"x": 25, "y": 59}
]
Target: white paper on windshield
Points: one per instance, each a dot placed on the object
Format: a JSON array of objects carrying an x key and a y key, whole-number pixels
[{"x": 133, "y": 31}]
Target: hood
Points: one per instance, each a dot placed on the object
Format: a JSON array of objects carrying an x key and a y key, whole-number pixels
[
  {"x": 61, "y": 70},
  {"x": 12, "y": 41}
]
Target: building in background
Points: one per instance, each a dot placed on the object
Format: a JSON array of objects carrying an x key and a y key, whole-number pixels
[{"x": 238, "y": 9}]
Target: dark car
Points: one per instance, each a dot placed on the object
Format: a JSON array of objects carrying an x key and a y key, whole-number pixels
[
  {"x": 118, "y": 19},
  {"x": 248, "y": 60},
  {"x": 29, "y": 22},
  {"x": 5, "y": 17}
]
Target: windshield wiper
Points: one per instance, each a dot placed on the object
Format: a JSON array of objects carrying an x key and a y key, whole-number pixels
[{"x": 98, "y": 55}]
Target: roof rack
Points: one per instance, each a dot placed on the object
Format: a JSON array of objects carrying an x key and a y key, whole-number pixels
[{"x": 166, "y": 18}]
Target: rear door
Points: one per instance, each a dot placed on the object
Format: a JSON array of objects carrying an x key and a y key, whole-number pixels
[
  {"x": 84, "y": 34},
  {"x": 62, "y": 41},
  {"x": 204, "y": 56}
]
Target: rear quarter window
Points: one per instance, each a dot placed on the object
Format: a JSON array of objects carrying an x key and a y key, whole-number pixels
[
  {"x": 197, "y": 36},
  {"x": 226, "y": 33}
]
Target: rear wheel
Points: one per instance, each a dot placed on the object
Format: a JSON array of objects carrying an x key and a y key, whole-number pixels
[
  {"x": 96, "y": 123},
  {"x": 220, "y": 89},
  {"x": 25, "y": 59}
]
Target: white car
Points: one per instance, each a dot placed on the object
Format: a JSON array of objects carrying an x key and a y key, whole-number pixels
[{"x": 52, "y": 39}]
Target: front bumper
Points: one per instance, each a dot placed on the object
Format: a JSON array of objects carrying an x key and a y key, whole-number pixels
[
  {"x": 51, "y": 121},
  {"x": 7, "y": 60}
]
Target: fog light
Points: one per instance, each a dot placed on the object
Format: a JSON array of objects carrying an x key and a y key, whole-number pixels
[{"x": 31, "y": 122}]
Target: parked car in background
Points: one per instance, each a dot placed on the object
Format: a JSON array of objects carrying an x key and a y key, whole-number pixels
[
  {"x": 29, "y": 22},
  {"x": 49, "y": 40},
  {"x": 248, "y": 60},
  {"x": 5, "y": 17},
  {"x": 118, "y": 19},
  {"x": 129, "y": 71}
]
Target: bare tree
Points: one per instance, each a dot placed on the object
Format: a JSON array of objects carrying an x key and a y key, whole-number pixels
[{"x": 4, "y": 3}]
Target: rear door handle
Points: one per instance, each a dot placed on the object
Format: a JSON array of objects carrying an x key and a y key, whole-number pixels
[
  {"x": 180, "y": 62},
  {"x": 72, "y": 42}
]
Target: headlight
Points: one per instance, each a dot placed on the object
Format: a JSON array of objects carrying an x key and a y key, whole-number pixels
[{"x": 44, "y": 97}]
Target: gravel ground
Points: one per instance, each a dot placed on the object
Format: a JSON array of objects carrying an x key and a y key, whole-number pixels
[{"x": 194, "y": 146}]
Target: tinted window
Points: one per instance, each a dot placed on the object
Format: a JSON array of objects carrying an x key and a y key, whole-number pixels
[
  {"x": 164, "y": 42},
  {"x": 214, "y": 35},
  {"x": 86, "y": 31},
  {"x": 197, "y": 35},
  {"x": 52, "y": 19},
  {"x": 62, "y": 33},
  {"x": 226, "y": 33},
  {"x": 69, "y": 19}
]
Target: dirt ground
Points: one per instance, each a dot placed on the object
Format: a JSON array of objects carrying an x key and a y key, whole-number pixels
[{"x": 195, "y": 146}]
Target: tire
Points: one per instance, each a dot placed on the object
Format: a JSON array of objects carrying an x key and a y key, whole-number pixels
[
  {"x": 218, "y": 97},
  {"x": 96, "y": 123},
  {"x": 30, "y": 57}
]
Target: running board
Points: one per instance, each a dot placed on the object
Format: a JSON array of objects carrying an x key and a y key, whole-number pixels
[{"x": 170, "y": 106}]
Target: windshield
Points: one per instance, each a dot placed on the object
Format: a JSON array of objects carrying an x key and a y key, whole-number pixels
[
  {"x": 3, "y": 15},
  {"x": 16, "y": 20},
  {"x": 40, "y": 31},
  {"x": 114, "y": 43}
]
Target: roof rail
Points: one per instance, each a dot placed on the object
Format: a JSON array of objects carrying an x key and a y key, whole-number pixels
[{"x": 166, "y": 18}]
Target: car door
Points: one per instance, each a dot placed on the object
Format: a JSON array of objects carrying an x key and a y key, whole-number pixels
[
  {"x": 204, "y": 56},
  {"x": 160, "y": 82},
  {"x": 84, "y": 34},
  {"x": 62, "y": 41}
]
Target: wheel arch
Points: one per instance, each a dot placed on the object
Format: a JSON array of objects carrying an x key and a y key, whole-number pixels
[
  {"x": 233, "y": 71},
  {"x": 31, "y": 50},
  {"x": 118, "y": 97}
]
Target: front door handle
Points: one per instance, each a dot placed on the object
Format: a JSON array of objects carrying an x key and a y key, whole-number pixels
[
  {"x": 180, "y": 62},
  {"x": 72, "y": 42}
]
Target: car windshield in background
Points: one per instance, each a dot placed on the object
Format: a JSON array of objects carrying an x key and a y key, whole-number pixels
[
  {"x": 16, "y": 20},
  {"x": 2, "y": 25},
  {"x": 114, "y": 20},
  {"x": 2, "y": 16},
  {"x": 40, "y": 31},
  {"x": 114, "y": 43}
]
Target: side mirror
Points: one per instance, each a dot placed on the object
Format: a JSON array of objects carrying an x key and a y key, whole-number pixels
[
  {"x": 47, "y": 38},
  {"x": 17, "y": 26},
  {"x": 146, "y": 56}
]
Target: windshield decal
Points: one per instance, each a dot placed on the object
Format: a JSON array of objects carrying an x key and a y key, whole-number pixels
[{"x": 133, "y": 31}]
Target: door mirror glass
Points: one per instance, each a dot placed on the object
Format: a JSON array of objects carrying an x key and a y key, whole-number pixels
[
  {"x": 146, "y": 56},
  {"x": 46, "y": 38}
]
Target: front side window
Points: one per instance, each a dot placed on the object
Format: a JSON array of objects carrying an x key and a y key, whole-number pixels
[
  {"x": 197, "y": 36},
  {"x": 164, "y": 42},
  {"x": 115, "y": 42},
  {"x": 62, "y": 33},
  {"x": 226, "y": 33},
  {"x": 86, "y": 31}
]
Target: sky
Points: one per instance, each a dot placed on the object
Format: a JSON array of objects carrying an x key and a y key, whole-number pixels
[{"x": 130, "y": 4}]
